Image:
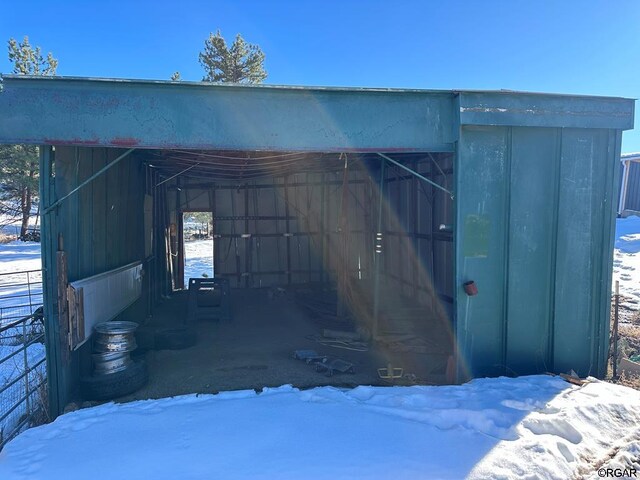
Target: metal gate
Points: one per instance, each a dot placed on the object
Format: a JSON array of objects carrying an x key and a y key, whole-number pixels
[{"x": 23, "y": 369}]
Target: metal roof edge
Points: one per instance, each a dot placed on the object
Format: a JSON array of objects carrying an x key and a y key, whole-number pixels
[{"x": 127, "y": 81}]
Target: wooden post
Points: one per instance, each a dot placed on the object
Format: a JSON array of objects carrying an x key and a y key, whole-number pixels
[
  {"x": 75, "y": 300},
  {"x": 80, "y": 333}
]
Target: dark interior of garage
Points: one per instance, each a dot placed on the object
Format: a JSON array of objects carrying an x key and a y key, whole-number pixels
[{"x": 345, "y": 255}]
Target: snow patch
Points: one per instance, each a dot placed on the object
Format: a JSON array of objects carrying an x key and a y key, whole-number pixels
[{"x": 528, "y": 427}]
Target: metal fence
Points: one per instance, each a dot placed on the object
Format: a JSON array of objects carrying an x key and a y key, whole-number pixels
[{"x": 23, "y": 373}]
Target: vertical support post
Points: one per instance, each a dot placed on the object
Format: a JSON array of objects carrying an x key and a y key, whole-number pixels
[
  {"x": 625, "y": 186},
  {"x": 55, "y": 375},
  {"x": 179, "y": 238},
  {"x": 343, "y": 230},
  {"x": 417, "y": 260},
  {"x": 309, "y": 190},
  {"x": 324, "y": 265},
  {"x": 212, "y": 207},
  {"x": 286, "y": 213},
  {"x": 168, "y": 241},
  {"x": 256, "y": 212},
  {"x": 378, "y": 254},
  {"x": 402, "y": 234},
  {"x": 615, "y": 330},
  {"x": 247, "y": 239}
]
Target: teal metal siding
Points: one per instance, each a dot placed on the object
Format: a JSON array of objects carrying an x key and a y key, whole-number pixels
[
  {"x": 632, "y": 195},
  {"x": 481, "y": 195},
  {"x": 535, "y": 209},
  {"x": 586, "y": 208},
  {"x": 531, "y": 251},
  {"x": 100, "y": 227},
  {"x": 56, "y": 371}
]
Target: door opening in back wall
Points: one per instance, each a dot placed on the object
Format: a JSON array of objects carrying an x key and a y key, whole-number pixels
[{"x": 197, "y": 230}]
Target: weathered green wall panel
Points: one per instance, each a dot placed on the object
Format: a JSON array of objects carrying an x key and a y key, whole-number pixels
[
  {"x": 581, "y": 216},
  {"x": 535, "y": 229},
  {"x": 56, "y": 371},
  {"x": 481, "y": 215},
  {"x": 101, "y": 226},
  {"x": 531, "y": 247},
  {"x": 99, "y": 203}
]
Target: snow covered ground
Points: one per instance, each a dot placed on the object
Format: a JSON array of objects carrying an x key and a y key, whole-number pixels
[
  {"x": 15, "y": 258},
  {"x": 626, "y": 261},
  {"x": 19, "y": 256},
  {"x": 529, "y": 427},
  {"x": 198, "y": 259}
]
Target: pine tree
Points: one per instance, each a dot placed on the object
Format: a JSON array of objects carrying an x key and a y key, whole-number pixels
[
  {"x": 19, "y": 163},
  {"x": 242, "y": 63},
  {"x": 18, "y": 182},
  {"x": 28, "y": 60}
]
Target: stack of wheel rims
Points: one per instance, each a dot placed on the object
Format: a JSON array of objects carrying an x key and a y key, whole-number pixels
[
  {"x": 113, "y": 342},
  {"x": 115, "y": 373}
]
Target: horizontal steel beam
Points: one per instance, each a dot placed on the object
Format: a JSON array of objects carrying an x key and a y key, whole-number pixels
[
  {"x": 86, "y": 112},
  {"x": 544, "y": 110}
]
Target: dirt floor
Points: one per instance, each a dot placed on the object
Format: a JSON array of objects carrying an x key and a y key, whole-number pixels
[{"x": 255, "y": 350}]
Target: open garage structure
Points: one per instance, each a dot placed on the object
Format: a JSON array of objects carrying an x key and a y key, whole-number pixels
[{"x": 477, "y": 225}]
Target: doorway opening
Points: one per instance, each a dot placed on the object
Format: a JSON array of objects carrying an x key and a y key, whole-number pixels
[{"x": 197, "y": 235}]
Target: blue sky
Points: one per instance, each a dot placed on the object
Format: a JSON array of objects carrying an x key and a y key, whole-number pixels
[{"x": 563, "y": 46}]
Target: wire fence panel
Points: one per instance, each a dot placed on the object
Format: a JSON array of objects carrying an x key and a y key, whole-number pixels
[{"x": 23, "y": 369}]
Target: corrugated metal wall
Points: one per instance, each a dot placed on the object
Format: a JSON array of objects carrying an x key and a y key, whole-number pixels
[
  {"x": 632, "y": 187},
  {"x": 418, "y": 254},
  {"x": 100, "y": 226},
  {"x": 285, "y": 230},
  {"x": 535, "y": 213}
]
